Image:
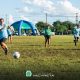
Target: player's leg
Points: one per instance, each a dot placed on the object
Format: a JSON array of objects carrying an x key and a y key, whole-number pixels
[
  {"x": 48, "y": 40},
  {"x": 45, "y": 41},
  {"x": 4, "y": 46},
  {"x": 77, "y": 39},
  {"x": 74, "y": 38},
  {"x": 10, "y": 38}
]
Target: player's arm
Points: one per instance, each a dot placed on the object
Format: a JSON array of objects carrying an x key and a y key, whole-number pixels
[
  {"x": 79, "y": 32},
  {"x": 1, "y": 28}
]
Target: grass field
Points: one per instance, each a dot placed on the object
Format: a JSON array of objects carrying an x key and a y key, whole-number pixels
[{"x": 61, "y": 61}]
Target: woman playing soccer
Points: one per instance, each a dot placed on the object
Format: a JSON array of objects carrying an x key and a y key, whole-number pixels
[
  {"x": 10, "y": 31},
  {"x": 76, "y": 33},
  {"x": 47, "y": 34},
  {"x": 3, "y": 35}
]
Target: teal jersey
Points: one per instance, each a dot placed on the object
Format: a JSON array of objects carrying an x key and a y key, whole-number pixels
[
  {"x": 3, "y": 32},
  {"x": 9, "y": 32},
  {"x": 76, "y": 32},
  {"x": 47, "y": 31}
]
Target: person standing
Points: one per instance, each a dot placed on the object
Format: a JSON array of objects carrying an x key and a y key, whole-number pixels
[
  {"x": 10, "y": 31},
  {"x": 76, "y": 33},
  {"x": 47, "y": 34},
  {"x": 3, "y": 35}
]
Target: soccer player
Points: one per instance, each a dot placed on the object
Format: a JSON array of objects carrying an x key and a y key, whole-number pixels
[
  {"x": 76, "y": 33},
  {"x": 47, "y": 34},
  {"x": 3, "y": 35},
  {"x": 10, "y": 31}
]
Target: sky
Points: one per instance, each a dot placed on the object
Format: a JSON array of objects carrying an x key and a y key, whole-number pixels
[{"x": 35, "y": 10}]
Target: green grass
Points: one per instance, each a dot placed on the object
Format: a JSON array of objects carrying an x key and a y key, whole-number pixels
[{"x": 62, "y": 59}]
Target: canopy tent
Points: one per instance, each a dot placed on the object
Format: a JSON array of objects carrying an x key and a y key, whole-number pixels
[{"x": 22, "y": 24}]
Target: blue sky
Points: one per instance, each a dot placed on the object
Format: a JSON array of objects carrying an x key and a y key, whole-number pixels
[{"x": 34, "y": 10}]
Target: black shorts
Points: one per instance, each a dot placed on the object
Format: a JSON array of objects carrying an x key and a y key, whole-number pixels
[
  {"x": 47, "y": 36},
  {"x": 76, "y": 37},
  {"x": 10, "y": 35},
  {"x": 3, "y": 40}
]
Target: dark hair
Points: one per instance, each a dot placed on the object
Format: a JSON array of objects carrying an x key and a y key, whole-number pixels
[{"x": 1, "y": 19}]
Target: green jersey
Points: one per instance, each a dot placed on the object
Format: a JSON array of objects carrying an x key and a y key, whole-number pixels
[{"x": 47, "y": 31}]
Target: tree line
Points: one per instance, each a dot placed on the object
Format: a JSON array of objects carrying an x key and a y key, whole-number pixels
[{"x": 60, "y": 28}]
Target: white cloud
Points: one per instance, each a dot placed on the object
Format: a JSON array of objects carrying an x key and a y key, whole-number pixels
[
  {"x": 27, "y": 1},
  {"x": 66, "y": 7},
  {"x": 24, "y": 10},
  {"x": 46, "y": 5},
  {"x": 52, "y": 7},
  {"x": 49, "y": 6}
]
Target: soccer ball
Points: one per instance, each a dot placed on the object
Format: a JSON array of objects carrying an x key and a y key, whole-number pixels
[{"x": 16, "y": 55}]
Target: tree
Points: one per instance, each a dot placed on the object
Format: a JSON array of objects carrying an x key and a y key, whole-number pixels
[
  {"x": 69, "y": 26},
  {"x": 63, "y": 27},
  {"x": 58, "y": 27},
  {"x": 40, "y": 25}
]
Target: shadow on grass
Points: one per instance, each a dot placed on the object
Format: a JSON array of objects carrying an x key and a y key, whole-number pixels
[{"x": 32, "y": 45}]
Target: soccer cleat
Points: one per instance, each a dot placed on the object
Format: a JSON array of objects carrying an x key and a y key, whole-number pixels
[
  {"x": 74, "y": 40},
  {"x": 77, "y": 40},
  {"x": 6, "y": 50}
]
